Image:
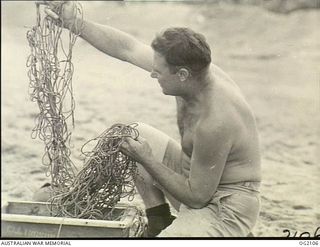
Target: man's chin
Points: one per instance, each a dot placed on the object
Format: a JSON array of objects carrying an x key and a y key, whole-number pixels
[
  {"x": 164, "y": 91},
  {"x": 167, "y": 93}
]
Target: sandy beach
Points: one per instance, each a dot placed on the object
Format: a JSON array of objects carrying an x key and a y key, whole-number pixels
[{"x": 273, "y": 58}]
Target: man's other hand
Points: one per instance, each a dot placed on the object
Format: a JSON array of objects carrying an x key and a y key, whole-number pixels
[
  {"x": 138, "y": 149},
  {"x": 65, "y": 11}
]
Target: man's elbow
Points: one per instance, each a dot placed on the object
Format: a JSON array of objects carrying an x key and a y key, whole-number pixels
[
  {"x": 199, "y": 201},
  {"x": 198, "y": 197}
]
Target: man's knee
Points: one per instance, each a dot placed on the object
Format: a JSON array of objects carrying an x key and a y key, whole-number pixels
[
  {"x": 157, "y": 140},
  {"x": 148, "y": 131}
]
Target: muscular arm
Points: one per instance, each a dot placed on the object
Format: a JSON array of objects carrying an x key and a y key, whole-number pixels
[
  {"x": 117, "y": 44},
  {"x": 208, "y": 160},
  {"x": 106, "y": 39}
]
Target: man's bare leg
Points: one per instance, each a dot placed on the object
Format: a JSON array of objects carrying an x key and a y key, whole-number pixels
[
  {"x": 157, "y": 210},
  {"x": 150, "y": 194}
]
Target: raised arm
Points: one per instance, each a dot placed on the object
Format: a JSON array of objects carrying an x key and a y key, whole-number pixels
[
  {"x": 109, "y": 40},
  {"x": 118, "y": 44}
]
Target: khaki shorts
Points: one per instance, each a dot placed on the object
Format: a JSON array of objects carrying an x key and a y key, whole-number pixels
[{"x": 232, "y": 212}]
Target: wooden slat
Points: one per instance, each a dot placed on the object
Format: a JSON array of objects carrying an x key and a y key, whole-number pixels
[{"x": 32, "y": 218}]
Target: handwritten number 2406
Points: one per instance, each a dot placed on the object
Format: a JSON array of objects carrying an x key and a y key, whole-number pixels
[{"x": 304, "y": 234}]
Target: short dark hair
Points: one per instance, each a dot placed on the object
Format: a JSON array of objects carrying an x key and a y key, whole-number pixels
[{"x": 183, "y": 47}]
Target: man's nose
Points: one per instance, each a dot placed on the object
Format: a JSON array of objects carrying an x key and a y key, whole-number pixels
[{"x": 154, "y": 74}]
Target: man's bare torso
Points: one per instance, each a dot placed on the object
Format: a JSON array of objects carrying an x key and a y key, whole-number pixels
[{"x": 227, "y": 104}]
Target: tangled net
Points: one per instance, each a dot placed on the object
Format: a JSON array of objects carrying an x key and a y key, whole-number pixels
[
  {"x": 50, "y": 75},
  {"x": 108, "y": 175}
]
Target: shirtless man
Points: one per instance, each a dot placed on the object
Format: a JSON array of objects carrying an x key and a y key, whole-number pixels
[{"x": 212, "y": 178}]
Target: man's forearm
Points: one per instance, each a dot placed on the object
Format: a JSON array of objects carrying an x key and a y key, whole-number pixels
[
  {"x": 176, "y": 184},
  {"x": 105, "y": 38}
]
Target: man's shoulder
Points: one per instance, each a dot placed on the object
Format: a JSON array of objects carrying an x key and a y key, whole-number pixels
[
  {"x": 213, "y": 126},
  {"x": 220, "y": 112}
]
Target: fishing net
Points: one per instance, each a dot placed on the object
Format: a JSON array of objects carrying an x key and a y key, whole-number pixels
[
  {"x": 107, "y": 175},
  {"x": 50, "y": 82}
]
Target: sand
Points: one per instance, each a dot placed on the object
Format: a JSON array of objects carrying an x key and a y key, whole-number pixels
[{"x": 273, "y": 58}]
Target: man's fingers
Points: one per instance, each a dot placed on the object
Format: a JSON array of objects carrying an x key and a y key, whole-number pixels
[
  {"x": 128, "y": 142},
  {"x": 50, "y": 13},
  {"x": 124, "y": 148},
  {"x": 140, "y": 139},
  {"x": 125, "y": 144},
  {"x": 41, "y": 2},
  {"x": 49, "y": 3}
]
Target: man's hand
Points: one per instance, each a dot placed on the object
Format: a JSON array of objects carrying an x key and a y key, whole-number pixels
[
  {"x": 139, "y": 150},
  {"x": 65, "y": 11}
]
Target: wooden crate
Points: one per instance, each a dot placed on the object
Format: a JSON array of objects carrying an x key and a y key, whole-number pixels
[{"x": 32, "y": 220}]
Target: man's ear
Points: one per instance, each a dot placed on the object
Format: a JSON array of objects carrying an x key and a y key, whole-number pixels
[{"x": 183, "y": 74}]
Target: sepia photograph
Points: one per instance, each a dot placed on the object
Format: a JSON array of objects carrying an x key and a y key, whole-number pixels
[{"x": 160, "y": 119}]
